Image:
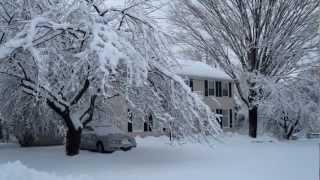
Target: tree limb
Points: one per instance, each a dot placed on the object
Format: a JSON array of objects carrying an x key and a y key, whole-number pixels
[{"x": 81, "y": 92}]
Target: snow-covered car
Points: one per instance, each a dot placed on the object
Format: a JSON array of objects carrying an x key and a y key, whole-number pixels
[
  {"x": 313, "y": 135},
  {"x": 106, "y": 139}
]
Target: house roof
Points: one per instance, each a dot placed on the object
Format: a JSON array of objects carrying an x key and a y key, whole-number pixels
[{"x": 200, "y": 69}]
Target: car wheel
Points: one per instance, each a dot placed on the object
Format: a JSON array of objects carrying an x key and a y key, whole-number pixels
[
  {"x": 126, "y": 148},
  {"x": 100, "y": 148}
]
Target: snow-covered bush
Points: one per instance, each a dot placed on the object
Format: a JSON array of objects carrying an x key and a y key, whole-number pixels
[{"x": 293, "y": 106}]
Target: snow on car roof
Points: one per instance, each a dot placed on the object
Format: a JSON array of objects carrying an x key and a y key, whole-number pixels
[
  {"x": 200, "y": 69},
  {"x": 105, "y": 130}
]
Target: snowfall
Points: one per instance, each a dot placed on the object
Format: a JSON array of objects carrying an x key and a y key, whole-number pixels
[{"x": 235, "y": 158}]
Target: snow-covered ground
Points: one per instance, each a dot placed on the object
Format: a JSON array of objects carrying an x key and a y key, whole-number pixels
[{"x": 238, "y": 158}]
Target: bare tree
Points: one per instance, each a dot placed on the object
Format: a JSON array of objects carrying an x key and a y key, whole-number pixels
[
  {"x": 68, "y": 54},
  {"x": 252, "y": 40}
]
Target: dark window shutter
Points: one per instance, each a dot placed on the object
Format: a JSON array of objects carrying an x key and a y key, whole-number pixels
[
  {"x": 218, "y": 89},
  {"x": 145, "y": 126},
  {"x": 230, "y": 89},
  {"x": 130, "y": 119},
  {"x": 191, "y": 84},
  {"x": 206, "y": 93},
  {"x": 129, "y": 126},
  {"x": 231, "y": 118},
  {"x": 150, "y": 123}
]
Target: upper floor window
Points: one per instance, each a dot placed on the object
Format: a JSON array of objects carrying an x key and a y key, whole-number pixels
[
  {"x": 211, "y": 88},
  {"x": 208, "y": 88},
  {"x": 225, "y": 89}
]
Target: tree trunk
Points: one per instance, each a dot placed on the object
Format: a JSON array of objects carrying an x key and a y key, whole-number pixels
[
  {"x": 292, "y": 128},
  {"x": 253, "y": 121},
  {"x": 253, "y": 61},
  {"x": 73, "y": 137},
  {"x": 73, "y": 140}
]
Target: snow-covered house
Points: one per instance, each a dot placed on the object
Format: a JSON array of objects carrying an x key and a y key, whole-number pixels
[
  {"x": 214, "y": 86},
  {"x": 131, "y": 115},
  {"x": 132, "y": 120}
]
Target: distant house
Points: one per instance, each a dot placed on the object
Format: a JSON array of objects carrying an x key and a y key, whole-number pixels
[
  {"x": 214, "y": 86},
  {"x": 135, "y": 121}
]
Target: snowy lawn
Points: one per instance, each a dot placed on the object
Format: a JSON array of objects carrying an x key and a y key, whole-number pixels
[{"x": 238, "y": 158}]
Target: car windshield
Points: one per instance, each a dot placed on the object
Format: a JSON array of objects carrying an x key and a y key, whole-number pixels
[{"x": 105, "y": 130}]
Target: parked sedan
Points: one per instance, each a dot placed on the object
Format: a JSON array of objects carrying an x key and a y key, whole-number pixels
[{"x": 106, "y": 139}]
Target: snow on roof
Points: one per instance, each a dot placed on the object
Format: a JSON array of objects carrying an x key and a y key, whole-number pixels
[{"x": 200, "y": 69}]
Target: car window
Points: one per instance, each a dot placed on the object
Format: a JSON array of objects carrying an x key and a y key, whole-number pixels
[
  {"x": 86, "y": 132},
  {"x": 89, "y": 128}
]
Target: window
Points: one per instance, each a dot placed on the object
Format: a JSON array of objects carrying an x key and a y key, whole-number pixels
[
  {"x": 225, "y": 118},
  {"x": 219, "y": 112},
  {"x": 225, "y": 89},
  {"x": 218, "y": 88},
  {"x": 208, "y": 88},
  {"x": 211, "y": 88},
  {"x": 148, "y": 124}
]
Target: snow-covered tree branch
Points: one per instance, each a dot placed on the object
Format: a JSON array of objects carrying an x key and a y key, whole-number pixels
[
  {"x": 71, "y": 53},
  {"x": 253, "y": 41}
]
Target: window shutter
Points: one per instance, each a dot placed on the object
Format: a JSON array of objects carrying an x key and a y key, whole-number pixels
[
  {"x": 218, "y": 89},
  {"x": 206, "y": 93},
  {"x": 231, "y": 118},
  {"x": 129, "y": 126},
  {"x": 191, "y": 84},
  {"x": 230, "y": 89}
]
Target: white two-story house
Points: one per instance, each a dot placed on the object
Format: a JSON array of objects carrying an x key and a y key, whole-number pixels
[{"x": 214, "y": 86}]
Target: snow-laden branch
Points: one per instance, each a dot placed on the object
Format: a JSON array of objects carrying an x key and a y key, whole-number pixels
[{"x": 72, "y": 54}]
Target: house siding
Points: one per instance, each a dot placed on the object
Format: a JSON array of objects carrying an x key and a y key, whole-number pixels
[{"x": 119, "y": 117}]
